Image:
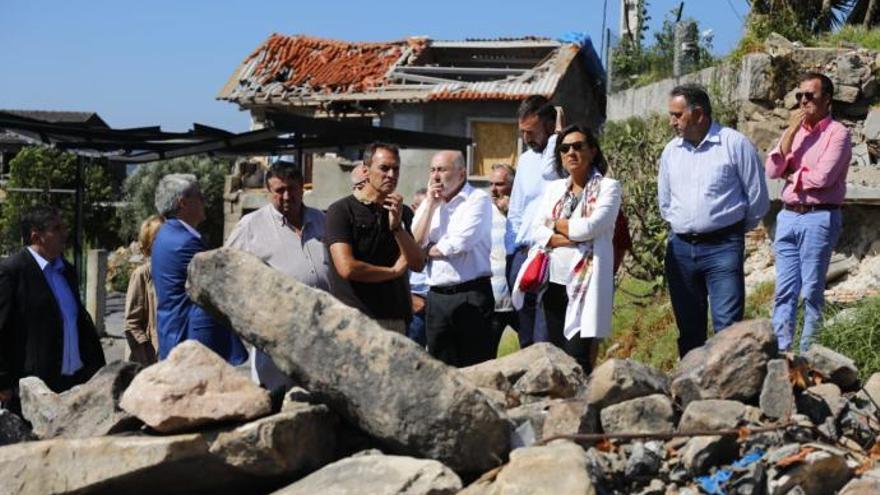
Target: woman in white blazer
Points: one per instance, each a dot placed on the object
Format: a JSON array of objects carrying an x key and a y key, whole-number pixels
[{"x": 575, "y": 225}]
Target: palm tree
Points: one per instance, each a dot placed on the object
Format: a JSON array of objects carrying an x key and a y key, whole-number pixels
[
  {"x": 816, "y": 16},
  {"x": 864, "y": 12}
]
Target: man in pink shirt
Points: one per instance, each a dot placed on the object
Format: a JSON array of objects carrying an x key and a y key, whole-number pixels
[{"x": 813, "y": 157}]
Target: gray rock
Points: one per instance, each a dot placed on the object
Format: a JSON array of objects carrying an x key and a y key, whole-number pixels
[
  {"x": 756, "y": 82},
  {"x": 295, "y": 397},
  {"x": 645, "y": 458},
  {"x": 790, "y": 100},
  {"x": 731, "y": 365},
  {"x": 778, "y": 46},
  {"x": 765, "y": 134},
  {"x": 296, "y": 441},
  {"x": 815, "y": 58},
  {"x": 712, "y": 415},
  {"x": 872, "y": 126},
  {"x": 87, "y": 410},
  {"x": 379, "y": 381},
  {"x": 871, "y": 391},
  {"x": 569, "y": 417},
  {"x": 540, "y": 370},
  {"x": 846, "y": 93},
  {"x": 618, "y": 380},
  {"x": 651, "y": 414},
  {"x": 851, "y": 69},
  {"x": 863, "y": 486},
  {"x": 560, "y": 467},
  {"x": 869, "y": 87},
  {"x": 821, "y": 473},
  {"x": 533, "y": 413},
  {"x": 861, "y": 157},
  {"x": 112, "y": 464},
  {"x": 702, "y": 453},
  {"x": 13, "y": 429},
  {"x": 380, "y": 475},
  {"x": 191, "y": 388},
  {"x": 777, "y": 397},
  {"x": 820, "y": 402},
  {"x": 835, "y": 367}
]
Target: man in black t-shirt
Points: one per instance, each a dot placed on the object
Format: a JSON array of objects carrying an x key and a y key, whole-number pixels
[{"x": 371, "y": 246}]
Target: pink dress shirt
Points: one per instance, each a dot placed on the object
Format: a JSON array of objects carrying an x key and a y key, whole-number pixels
[{"x": 818, "y": 162}]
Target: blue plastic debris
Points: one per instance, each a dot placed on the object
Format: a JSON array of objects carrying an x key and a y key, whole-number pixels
[{"x": 714, "y": 484}]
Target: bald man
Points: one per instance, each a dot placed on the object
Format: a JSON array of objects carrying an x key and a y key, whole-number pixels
[{"x": 454, "y": 226}]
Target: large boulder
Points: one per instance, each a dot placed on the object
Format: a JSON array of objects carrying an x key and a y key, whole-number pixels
[
  {"x": 191, "y": 388},
  {"x": 298, "y": 440},
  {"x": 713, "y": 415},
  {"x": 556, "y": 468},
  {"x": 111, "y": 464},
  {"x": 618, "y": 380},
  {"x": 13, "y": 429},
  {"x": 378, "y": 380},
  {"x": 731, "y": 365},
  {"x": 87, "y": 410},
  {"x": 380, "y": 475},
  {"x": 541, "y": 370}
]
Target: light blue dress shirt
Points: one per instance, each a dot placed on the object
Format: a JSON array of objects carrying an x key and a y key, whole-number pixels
[
  {"x": 69, "y": 308},
  {"x": 712, "y": 185},
  {"x": 533, "y": 171}
]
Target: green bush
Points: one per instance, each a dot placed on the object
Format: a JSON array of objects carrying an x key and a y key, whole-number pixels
[
  {"x": 855, "y": 35},
  {"x": 48, "y": 168},
  {"x": 140, "y": 192},
  {"x": 632, "y": 148},
  {"x": 856, "y": 334}
]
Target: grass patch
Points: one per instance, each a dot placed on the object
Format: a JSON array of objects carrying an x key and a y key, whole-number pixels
[
  {"x": 855, "y": 332},
  {"x": 853, "y": 35},
  {"x": 509, "y": 343}
]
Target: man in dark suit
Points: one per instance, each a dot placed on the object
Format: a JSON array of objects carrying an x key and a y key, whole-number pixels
[
  {"x": 44, "y": 329},
  {"x": 179, "y": 200}
]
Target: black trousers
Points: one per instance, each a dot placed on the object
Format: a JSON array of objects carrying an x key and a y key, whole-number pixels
[
  {"x": 583, "y": 350},
  {"x": 459, "y": 323}
]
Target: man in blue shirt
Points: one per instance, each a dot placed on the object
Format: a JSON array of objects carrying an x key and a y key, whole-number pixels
[
  {"x": 711, "y": 190},
  {"x": 537, "y": 118},
  {"x": 44, "y": 329}
]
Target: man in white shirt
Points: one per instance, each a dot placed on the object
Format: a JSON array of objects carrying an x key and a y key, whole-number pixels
[
  {"x": 454, "y": 224},
  {"x": 537, "y": 118},
  {"x": 500, "y": 184},
  {"x": 288, "y": 236}
]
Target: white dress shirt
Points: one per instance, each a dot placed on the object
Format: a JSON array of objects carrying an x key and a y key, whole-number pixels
[
  {"x": 533, "y": 171},
  {"x": 461, "y": 229}
]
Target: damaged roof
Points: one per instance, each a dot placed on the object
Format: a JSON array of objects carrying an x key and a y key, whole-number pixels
[{"x": 307, "y": 71}]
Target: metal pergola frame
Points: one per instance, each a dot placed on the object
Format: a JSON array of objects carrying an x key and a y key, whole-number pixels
[{"x": 284, "y": 134}]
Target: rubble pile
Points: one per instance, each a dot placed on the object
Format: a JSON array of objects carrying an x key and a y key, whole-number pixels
[{"x": 375, "y": 414}]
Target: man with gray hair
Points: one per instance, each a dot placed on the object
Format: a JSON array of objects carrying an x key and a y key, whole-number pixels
[
  {"x": 454, "y": 225},
  {"x": 180, "y": 201}
]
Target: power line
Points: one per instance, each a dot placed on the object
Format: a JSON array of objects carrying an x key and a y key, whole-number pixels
[{"x": 735, "y": 12}]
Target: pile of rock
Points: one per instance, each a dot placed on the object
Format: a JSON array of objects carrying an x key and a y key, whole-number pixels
[{"x": 375, "y": 414}]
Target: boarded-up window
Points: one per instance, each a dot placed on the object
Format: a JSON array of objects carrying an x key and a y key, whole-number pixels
[{"x": 494, "y": 142}]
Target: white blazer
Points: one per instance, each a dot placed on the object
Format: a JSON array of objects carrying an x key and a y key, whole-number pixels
[{"x": 595, "y": 319}]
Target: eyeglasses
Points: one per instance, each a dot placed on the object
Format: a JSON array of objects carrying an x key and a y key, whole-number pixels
[
  {"x": 577, "y": 146},
  {"x": 805, "y": 96}
]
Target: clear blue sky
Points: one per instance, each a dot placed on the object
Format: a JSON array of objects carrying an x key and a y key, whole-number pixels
[{"x": 162, "y": 62}]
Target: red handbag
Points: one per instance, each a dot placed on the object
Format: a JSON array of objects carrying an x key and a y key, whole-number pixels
[{"x": 537, "y": 271}]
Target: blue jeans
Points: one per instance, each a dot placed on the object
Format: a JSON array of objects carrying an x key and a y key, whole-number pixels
[
  {"x": 803, "y": 249},
  {"x": 701, "y": 275},
  {"x": 530, "y": 327},
  {"x": 416, "y": 329}
]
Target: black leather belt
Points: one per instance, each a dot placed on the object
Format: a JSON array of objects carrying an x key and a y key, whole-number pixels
[
  {"x": 474, "y": 284},
  {"x": 693, "y": 238},
  {"x": 801, "y": 208}
]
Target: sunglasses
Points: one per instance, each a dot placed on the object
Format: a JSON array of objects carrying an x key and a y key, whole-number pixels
[
  {"x": 577, "y": 146},
  {"x": 804, "y": 96}
]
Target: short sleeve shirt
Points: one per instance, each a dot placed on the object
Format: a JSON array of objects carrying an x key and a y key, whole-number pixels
[{"x": 365, "y": 228}]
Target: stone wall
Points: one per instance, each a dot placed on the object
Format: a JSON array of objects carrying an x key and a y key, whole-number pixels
[{"x": 760, "y": 88}]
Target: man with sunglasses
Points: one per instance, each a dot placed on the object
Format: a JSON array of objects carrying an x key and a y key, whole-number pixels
[
  {"x": 711, "y": 190},
  {"x": 812, "y": 157}
]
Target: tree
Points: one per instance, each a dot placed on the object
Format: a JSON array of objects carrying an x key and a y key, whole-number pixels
[
  {"x": 46, "y": 168},
  {"x": 814, "y": 16},
  {"x": 140, "y": 191}
]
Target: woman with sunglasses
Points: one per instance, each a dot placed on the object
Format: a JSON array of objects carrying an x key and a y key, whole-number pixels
[{"x": 579, "y": 214}]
